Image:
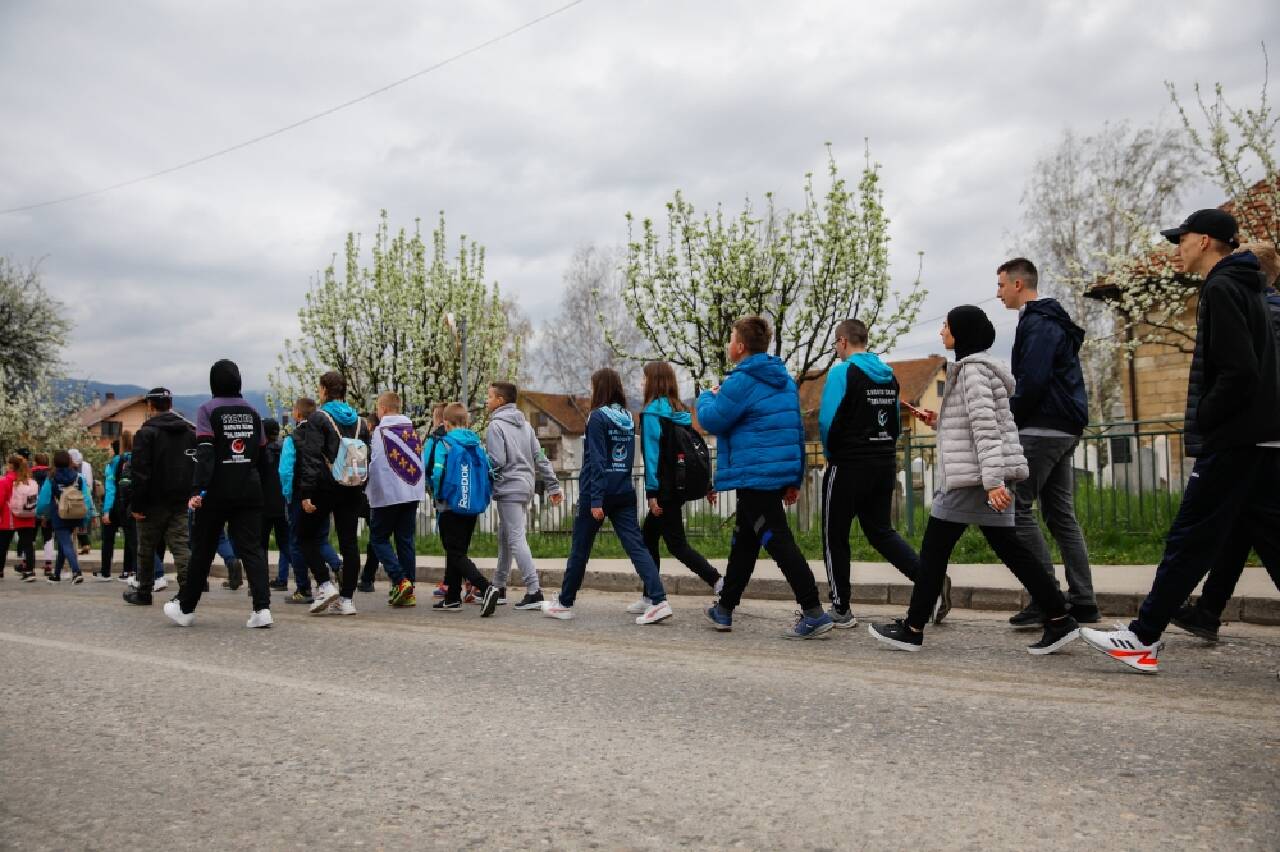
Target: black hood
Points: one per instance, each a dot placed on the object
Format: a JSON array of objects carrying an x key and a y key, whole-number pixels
[
  {"x": 1243, "y": 267},
  {"x": 170, "y": 421},
  {"x": 1050, "y": 309},
  {"x": 224, "y": 378},
  {"x": 972, "y": 330}
]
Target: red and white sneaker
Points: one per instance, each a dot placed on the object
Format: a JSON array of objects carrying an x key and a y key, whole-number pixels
[
  {"x": 654, "y": 614},
  {"x": 553, "y": 609},
  {"x": 1124, "y": 647}
]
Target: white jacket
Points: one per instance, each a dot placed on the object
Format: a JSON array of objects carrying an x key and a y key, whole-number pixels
[
  {"x": 977, "y": 438},
  {"x": 395, "y": 463}
]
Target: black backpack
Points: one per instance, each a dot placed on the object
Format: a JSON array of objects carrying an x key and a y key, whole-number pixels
[
  {"x": 124, "y": 486},
  {"x": 684, "y": 464}
]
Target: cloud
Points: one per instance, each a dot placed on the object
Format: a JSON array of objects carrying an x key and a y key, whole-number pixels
[{"x": 534, "y": 146}]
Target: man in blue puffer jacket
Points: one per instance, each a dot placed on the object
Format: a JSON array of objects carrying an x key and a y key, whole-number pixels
[{"x": 755, "y": 417}]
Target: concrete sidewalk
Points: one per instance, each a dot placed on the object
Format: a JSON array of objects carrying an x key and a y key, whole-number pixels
[{"x": 1120, "y": 588}]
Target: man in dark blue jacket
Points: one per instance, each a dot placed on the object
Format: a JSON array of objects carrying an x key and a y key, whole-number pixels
[
  {"x": 755, "y": 417},
  {"x": 1051, "y": 408}
]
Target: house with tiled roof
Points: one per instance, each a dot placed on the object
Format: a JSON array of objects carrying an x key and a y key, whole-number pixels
[
  {"x": 109, "y": 416},
  {"x": 560, "y": 422},
  {"x": 1154, "y": 380}
]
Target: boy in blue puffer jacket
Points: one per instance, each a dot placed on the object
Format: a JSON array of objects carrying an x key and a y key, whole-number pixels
[{"x": 755, "y": 417}]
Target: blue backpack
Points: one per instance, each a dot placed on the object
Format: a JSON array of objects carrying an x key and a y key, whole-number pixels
[{"x": 465, "y": 484}]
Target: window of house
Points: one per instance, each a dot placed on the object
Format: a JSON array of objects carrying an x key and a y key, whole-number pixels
[
  {"x": 552, "y": 450},
  {"x": 110, "y": 428},
  {"x": 942, "y": 386},
  {"x": 543, "y": 420}
]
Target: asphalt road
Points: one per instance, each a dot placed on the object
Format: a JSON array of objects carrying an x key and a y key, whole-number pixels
[{"x": 415, "y": 729}]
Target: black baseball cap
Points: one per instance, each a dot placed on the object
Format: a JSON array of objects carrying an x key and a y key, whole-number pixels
[
  {"x": 1215, "y": 223},
  {"x": 159, "y": 393}
]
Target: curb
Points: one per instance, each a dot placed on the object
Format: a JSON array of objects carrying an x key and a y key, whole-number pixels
[{"x": 1112, "y": 604}]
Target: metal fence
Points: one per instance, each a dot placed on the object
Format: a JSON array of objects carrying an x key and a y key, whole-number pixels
[{"x": 1128, "y": 475}]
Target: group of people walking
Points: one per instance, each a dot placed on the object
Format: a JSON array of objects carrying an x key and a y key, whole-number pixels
[{"x": 1007, "y": 437}]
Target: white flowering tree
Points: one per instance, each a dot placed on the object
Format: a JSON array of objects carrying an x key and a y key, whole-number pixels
[
  {"x": 37, "y": 416},
  {"x": 384, "y": 325},
  {"x": 803, "y": 270}
]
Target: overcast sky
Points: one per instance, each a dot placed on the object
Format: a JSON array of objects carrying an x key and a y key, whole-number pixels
[{"x": 535, "y": 145}]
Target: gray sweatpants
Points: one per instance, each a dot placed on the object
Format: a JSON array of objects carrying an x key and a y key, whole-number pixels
[
  {"x": 512, "y": 518},
  {"x": 1052, "y": 486}
]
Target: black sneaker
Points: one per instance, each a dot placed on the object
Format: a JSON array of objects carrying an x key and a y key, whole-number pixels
[
  {"x": 447, "y": 606},
  {"x": 300, "y": 598},
  {"x": 1197, "y": 622},
  {"x": 490, "y": 602},
  {"x": 1056, "y": 635},
  {"x": 943, "y": 605},
  {"x": 77, "y": 579},
  {"x": 898, "y": 635},
  {"x": 533, "y": 601},
  {"x": 1030, "y": 618},
  {"x": 52, "y": 578},
  {"x": 1086, "y": 614},
  {"x": 502, "y": 596},
  {"x": 365, "y": 587},
  {"x": 137, "y": 598},
  {"x": 277, "y": 585}
]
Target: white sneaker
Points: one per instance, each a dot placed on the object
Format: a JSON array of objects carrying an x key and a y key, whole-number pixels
[
  {"x": 173, "y": 609},
  {"x": 654, "y": 614},
  {"x": 343, "y": 606},
  {"x": 132, "y": 581},
  {"x": 98, "y": 578},
  {"x": 325, "y": 595},
  {"x": 128, "y": 579},
  {"x": 161, "y": 585},
  {"x": 552, "y": 609},
  {"x": 260, "y": 618},
  {"x": 639, "y": 607},
  {"x": 718, "y": 587},
  {"x": 1124, "y": 647}
]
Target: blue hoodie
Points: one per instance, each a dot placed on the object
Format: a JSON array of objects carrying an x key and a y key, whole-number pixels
[
  {"x": 859, "y": 413},
  {"x": 756, "y": 419},
  {"x": 344, "y": 414},
  {"x": 651, "y": 433},
  {"x": 437, "y": 448},
  {"x": 608, "y": 454},
  {"x": 47, "y": 502}
]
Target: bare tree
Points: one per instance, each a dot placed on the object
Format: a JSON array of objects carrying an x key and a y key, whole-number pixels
[
  {"x": 575, "y": 343},
  {"x": 1090, "y": 200}
]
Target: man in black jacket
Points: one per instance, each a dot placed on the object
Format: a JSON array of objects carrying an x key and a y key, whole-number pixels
[
  {"x": 226, "y": 491},
  {"x": 1051, "y": 408},
  {"x": 1232, "y": 430},
  {"x": 161, "y": 468}
]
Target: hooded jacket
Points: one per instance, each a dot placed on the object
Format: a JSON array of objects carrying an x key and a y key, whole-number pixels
[
  {"x": 651, "y": 438},
  {"x": 317, "y": 447},
  {"x": 395, "y": 464},
  {"x": 230, "y": 443},
  {"x": 1233, "y": 389},
  {"x": 162, "y": 470},
  {"x": 437, "y": 450},
  {"x": 518, "y": 459},
  {"x": 1050, "y": 392},
  {"x": 977, "y": 438},
  {"x": 47, "y": 502},
  {"x": 859, "y": 415},
  {"x": 756, "y": 420},
  {"x": 608, "y": 454}
]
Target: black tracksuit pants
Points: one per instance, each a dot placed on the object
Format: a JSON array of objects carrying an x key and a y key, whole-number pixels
[
  {"x": 862, "y": 491},
  {"x": 669, "y": 527},
  {"x": 455, "y": 534},
  {"x": 762, "y": 522},
  {"x": 244, "y": 529},
  {"x": 344, "y": 503}
]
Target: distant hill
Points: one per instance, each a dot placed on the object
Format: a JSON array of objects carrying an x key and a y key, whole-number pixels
[{"x": 185, "y": 404}]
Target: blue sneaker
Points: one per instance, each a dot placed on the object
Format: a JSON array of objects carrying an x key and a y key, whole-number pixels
[
  {"x": 809, "y": 627},
  {"x": 719, "y": 618}
]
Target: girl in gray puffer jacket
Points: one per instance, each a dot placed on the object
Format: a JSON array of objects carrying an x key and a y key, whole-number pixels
[{"x": 978, "y": 456}]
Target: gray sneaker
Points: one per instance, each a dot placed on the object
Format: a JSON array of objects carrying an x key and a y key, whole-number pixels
[{"x": 843, "y": 620}]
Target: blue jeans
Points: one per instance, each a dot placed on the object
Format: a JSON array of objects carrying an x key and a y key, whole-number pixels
[
  {"x": 65, "y": 541},
  {"x": 300, "y": 576},
  {"x": 621, "y": 510},
  {"x": 399, "y": 520}
]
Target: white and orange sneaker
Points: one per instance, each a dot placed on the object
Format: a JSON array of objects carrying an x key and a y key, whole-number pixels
[
  {"x": 553, "y": 609},
  {"x": 1123, "y": 646},
  {"x": 655, "y": 613}
]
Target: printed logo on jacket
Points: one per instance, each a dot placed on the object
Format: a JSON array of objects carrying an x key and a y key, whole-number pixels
[{"x": 404, "y": 452}]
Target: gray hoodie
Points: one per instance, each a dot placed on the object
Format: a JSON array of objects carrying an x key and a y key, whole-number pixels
[{"x": 517, "y": 457}]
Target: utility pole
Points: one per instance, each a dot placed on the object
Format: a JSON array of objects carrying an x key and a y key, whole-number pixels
[{"x": 458, "y": 325}]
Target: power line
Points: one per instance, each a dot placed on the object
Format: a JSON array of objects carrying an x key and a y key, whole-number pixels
[{"x": 286, "y": 128}]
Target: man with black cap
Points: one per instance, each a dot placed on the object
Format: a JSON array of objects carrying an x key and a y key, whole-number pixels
[
  {"x": 1232, "y": 431},
  {"x": 226, "y": 489},
  {"x": 161, "y": 477}
]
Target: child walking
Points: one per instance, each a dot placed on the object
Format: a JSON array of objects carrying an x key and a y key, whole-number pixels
[
  {"x": 979, "y": 456},
  {"x": 665, "y": 520},
  {"x": 606, "y": 492},
  {"x": 396, "y": 487},
  {"x": 18, "y": 496},
  {"x": 65, "y": 512}
]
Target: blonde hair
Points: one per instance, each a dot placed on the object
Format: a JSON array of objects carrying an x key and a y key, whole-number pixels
[
  {"x": 389, "y": 401},
  {"x": 455, "y": 414},
  {"x": 1267, "y": 259}
]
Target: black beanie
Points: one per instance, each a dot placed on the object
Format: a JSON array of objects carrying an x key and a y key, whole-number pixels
[
  {"x": 224, "y": 378},
  {"x": 972, "y": 330}
]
